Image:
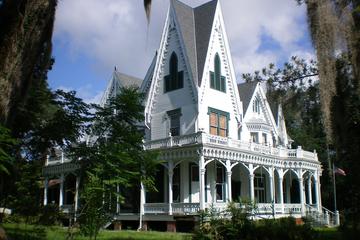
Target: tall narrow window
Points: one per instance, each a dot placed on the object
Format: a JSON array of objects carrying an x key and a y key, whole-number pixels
[
  {"x": 174, "y": 117},
  {"x": 254, "y": 137},
  {"x": 265, "y": 138},
  {"x": 220, "y": 182},
  {"x": 218, "y": 122},
  {"x": 175, "y": 79},
  {"x": 176, "y": 184},
  {"x": 256, "y": 105},
  {"x": 259, "y": 188},
  {"x": 216, "y": 80}
]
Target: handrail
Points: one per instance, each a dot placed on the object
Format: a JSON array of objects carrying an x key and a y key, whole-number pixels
[{"x": 205, "y": 138}]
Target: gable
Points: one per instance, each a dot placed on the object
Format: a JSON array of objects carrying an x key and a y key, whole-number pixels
[
  {"x": 246, "y": 92},
  {"x": 258, "y": 113},
  {"x": 219, "y": 46},
  {"x": 117, "y": 81}
]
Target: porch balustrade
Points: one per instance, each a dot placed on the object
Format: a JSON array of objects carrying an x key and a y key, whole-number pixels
[
  {"x": 207, "y": 139},
  {"x": 193, "y": 208}
]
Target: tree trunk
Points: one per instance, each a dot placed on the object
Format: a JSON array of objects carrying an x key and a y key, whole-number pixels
[{"x": 25, "y": 37}]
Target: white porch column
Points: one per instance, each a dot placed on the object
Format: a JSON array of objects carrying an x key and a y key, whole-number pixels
[
  {"x": 251, "y": 184},
  {"x": 61, "y": 195},
  {"x": 228, "y": 180},
  {"x": 77, "y": 185},
  {"x": 118, "y": 199},
  {"x": 309, "y": 190},
  {"x": 170, "y": 177},
  {"x": 142, "y": 203},
  {"x": 281, "y": 194},
  {"x": 317, "y": 192},
  {"x": 46, "y": 186},
  {"x": 202, "y": 181},
  {"x": 271, "y": 180},
  {"x": 301, "y": 189},
  {"x": 228, "y": 174}
]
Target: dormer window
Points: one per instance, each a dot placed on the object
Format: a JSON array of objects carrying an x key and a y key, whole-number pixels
[
  {"x": 217, "y": 81},
  {"x": 256, "y": 105},
  {"x": 175, "y": 79}
]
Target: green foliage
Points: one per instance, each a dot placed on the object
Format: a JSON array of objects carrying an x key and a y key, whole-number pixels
[
  {"x": 6, "y": 144},
  {"x": 113, "y": 157},
  {"x": 50, "y": 215},
  {"x": 346, "y": 125},
  {"x": 93, "y": 214},
  {"x": 27, "y": 197},
  {"x": 235, "y": 223}
]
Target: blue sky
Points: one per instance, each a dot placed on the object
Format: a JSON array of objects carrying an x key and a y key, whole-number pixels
[{"x": 92, "y": 36}]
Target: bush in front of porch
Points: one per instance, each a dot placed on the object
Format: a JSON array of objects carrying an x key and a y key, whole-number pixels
[{"x": 237, "y": 223}]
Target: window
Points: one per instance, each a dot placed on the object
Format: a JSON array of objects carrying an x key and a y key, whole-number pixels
[
  {"x": 259, "y": 188},
  {"x": 264, "y": 138},
  {"x": 174, "y": 117},
  {"x": 176, "y": 184},
  {"x": 220, "y": 182},
  {"x": 218, "y": 122},
  {"x": 216, "y": 80},
  {"x": 254, "y": 137},
  {"x": 194, "y": 173},
  {"x": 175, "y": 79},
  {"x": 256, "y": 105}
]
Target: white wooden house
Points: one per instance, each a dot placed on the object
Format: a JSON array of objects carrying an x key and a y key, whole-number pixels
[{"x": 220, "y": 141}]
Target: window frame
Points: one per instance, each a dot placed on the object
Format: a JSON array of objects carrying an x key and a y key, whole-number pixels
[
  {"x": 219, "y": 114},
  {"x": 256, "y": 135},
  {"x": 217, "y": 81},
  {"x": 174, "y": 115},
  {"x": 175, "y": 79},
  {"x": 260, "y": 190},
  {"x": 256, "y": 105}
]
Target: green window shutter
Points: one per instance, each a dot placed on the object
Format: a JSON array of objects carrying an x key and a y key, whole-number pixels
[
  {"x": 167, "y": 83},
  {"x": 180, "y": 80},
  {"x": 222, "y": 84},
  {"x": 217, "y": 69},
  {"x": 217, "y": 81},
  {"x": 212, "y": 80}
]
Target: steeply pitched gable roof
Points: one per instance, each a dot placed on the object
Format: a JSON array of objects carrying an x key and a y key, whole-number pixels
[
  {"x": 275, "y": 110},
  {"x": 126, "y": 80},
  {"x": 246, "y": 91},
  {"x": 195, "y": 27},
  {"x": 204, "y": 17}
]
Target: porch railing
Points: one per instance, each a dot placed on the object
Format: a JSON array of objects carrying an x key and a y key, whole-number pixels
[
  {"x": 156, "y": 208},
  {"x": 185, "y": 208},
  {"x": 193, "y": 208},
  {"x": 204, "y": 138}
]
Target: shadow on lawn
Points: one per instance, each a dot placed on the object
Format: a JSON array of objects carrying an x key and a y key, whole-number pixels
[{"x": 35, "y": 233}]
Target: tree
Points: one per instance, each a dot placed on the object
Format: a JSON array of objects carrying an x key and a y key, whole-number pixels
[
  {"x": 113, "y": 157},
  {"x": 25, "y": 49},
  {"x": 335, "y": 31}
]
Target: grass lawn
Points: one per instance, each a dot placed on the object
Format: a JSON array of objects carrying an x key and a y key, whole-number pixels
[
  {"x": 329, "y": 233},
  {"x": 31, "y": 232}
]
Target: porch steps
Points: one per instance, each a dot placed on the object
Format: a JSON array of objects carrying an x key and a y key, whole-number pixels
[{"x": 324, "y": 218}]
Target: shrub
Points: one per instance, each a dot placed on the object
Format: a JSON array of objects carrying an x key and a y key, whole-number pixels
[
  {"x": 50, "y": 215},
  {"x": 235, "y": 223}
]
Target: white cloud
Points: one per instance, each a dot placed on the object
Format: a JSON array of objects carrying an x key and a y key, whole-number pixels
[
  {"x": 85, "y": 93},
  {"x": 114, "y": 32}
]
